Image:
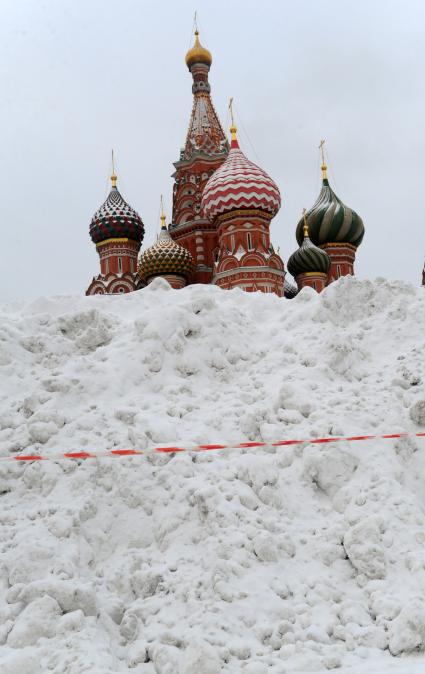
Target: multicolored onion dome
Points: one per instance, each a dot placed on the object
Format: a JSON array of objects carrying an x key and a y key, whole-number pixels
[
  {"x": 239, "y": 183},
  {"x": 308, "y": 258},
  {"x": 331, "y": 221},
  {"x": 165, "y": 257},
  {"x": 198, "y": 53},
  {"x": 115, "y": 219}
]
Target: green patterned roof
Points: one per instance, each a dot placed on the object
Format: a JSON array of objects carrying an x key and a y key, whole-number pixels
[
  {"x": 165, "y": 257},
  {"x": 331, "y": 221},
  {"x": 308, "y": 258}
]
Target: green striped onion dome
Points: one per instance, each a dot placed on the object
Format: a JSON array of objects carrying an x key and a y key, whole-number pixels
[
  {"x": 308, "y": 258},
  {"x": 165, "y": 257},
  {"x": 115, "y": 219},
  {"x": 331, "y": 221}
]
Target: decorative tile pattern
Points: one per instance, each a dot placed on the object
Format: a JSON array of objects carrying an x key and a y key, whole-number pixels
[
  {"x": 166, "y": 257},
  {"x": 239, "y": 183},
  {"x": 115, "y": 219}
]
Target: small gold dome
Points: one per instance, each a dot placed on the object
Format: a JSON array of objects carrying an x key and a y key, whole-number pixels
[{"x": 198, "y": 53}]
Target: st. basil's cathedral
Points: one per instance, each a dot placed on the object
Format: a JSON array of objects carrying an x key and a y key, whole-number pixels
[{"x": 223, "y": 205}]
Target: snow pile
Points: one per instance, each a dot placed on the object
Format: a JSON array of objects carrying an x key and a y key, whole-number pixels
[{"x": 295, "y": 559}]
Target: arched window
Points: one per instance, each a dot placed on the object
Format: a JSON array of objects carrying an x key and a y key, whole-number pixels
[
  {"x": 338, "y": 270},
  {"x": 249, "y": 239},
  {"x": 232, "y": 242},
  {"x": 120, "y": 264}
]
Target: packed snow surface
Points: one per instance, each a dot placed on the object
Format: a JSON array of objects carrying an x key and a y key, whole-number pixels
[{"x": 255, "y": 561}]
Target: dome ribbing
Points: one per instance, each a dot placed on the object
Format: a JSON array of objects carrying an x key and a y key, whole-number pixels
[
  {"x": 331, "y": 221},
  {"x": 308, "y": 258}
]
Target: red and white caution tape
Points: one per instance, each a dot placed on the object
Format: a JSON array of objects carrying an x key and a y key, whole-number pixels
[{"x": 201, "y": 448}]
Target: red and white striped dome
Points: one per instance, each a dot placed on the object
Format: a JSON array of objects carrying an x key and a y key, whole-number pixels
[{"x": 239, "y": 183}]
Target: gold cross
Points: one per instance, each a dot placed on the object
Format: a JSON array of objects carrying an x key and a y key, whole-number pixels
[
  {"x": 322, "y": 150},
  {"x": 231, "y": 110}
]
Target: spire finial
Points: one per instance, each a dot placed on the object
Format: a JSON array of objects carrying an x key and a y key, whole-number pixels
[
  {"x": 163, "y": 225},
  {"x": 233, "y": 128},
  {"x": 324, "y": 167},
  {"x": 198, "y": 53},
  {"x": 305, "y": 228},
  {"x": 114, "y": 175}
]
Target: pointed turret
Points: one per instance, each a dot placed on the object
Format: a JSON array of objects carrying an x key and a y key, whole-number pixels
[
  {"x": 205, "y": 149},
  {"x": 205, "y": 133}
]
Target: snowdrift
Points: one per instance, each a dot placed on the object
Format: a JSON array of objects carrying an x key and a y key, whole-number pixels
[{"x": 257, "y": 561}]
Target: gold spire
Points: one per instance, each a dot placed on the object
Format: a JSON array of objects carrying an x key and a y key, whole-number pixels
[
  {"x": 305, "y": 228},
  {"x": 163, "y": 225},
  {"x": 198, "y": 53},
  {"x": 324, "y": 167},
  {"x": 113, "y": 176}
]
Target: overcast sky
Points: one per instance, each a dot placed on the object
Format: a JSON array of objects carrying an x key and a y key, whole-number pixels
[{"x": 79, "y": 77}]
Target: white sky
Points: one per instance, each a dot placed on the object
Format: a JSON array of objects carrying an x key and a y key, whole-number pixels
[{"x": 79, "y": 77}]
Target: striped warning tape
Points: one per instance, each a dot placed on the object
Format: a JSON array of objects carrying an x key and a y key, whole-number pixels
[{"x": 202, "y": 448}]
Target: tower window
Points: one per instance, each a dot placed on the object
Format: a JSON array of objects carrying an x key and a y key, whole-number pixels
[
  {"x": 120, "y": 264},
  {"x": 107, "y": 265},
  {"x": 132, "y": 265},
  {"x": 338, "y": 270},
  {"x": 232, "y": 242},
  {"x": 249, "y": 239}
]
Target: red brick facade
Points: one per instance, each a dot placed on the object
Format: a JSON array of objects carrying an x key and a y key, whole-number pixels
[
  {"x": 342, "y": 256},
  {"x": 246, "y": 258}
]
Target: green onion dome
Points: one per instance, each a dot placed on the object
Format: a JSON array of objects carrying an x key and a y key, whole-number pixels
[
  {"x": 115, "y": 219},
  {"x": 331, "y": 221},
  {"x": 165, "y": 257},
  {"x": 308, "y": 258}
]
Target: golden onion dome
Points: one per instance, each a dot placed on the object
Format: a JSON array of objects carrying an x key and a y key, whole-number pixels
[
  {"x": 198, "y": 53},
  {"x": 165, "y": 257}
]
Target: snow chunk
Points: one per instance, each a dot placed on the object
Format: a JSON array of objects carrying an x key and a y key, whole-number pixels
[
  {"x": 407, "y": 631},
  {"x": 37, "y": 620},
  {"x": 362, "y": 544},
  {"x": 417, "y": 412},
  {"x": 330, "y": 469},
  {"x": 200, "y": 658},
  {"x": 69, "y": 594}
]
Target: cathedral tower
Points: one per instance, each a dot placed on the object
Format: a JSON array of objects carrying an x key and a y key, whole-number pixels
[
  {"x": 334, "y": 227},
  {"x": 240, "y": 199},
  {"x": 166, "y": 258},
  {"x": 205, "y": 150},
  {"x": 309, "y": 264},
  {"x": 117, "y": 230}
]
